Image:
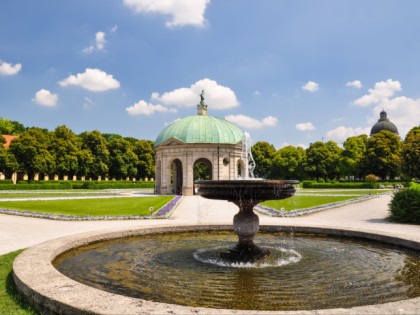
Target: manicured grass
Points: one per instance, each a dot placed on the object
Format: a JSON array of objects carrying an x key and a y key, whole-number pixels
[
  {"x": 10, "y": 300},
  {"x": 303, "y": 202},
  {"x": 91, "y": 207},
  {"x": 52, "y": 194},
  {"x": 67, "y": 193}
]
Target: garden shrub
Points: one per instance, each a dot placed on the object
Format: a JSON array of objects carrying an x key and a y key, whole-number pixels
[
  {"x": 405, "y": 205},
  {"x": 414, "y": 185},
  {"x": 340, "y": 185},
  {"x": 89, "y": 185},
  {"x": 6, "y": 182}
]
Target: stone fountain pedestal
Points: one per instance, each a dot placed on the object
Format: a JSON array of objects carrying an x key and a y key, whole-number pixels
[{"x": 246, "y": 194}]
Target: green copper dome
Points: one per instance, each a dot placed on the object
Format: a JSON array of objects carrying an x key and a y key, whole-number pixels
[
  {"x": 383, "y": 124},
  {"x": 201, "y": 129}
]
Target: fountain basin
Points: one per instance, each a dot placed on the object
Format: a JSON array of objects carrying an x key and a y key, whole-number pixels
[
  {"x": 255, "y": 190},
  {"x": 51, "y": 291}
]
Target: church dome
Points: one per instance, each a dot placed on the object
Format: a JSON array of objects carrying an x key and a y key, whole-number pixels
[
  {"x": 383, "y": 124},
  {"x": 201, "y": 129}
]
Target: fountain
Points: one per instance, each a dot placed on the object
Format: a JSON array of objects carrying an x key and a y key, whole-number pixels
[
  {"x": 162, "y": 269},
  {"x": 246, "y": 194}
]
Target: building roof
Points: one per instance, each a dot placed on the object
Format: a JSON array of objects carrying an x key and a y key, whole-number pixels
[
  {"x": 201, "y": 129},
  {"x": 9, "y": 139},
  {"x": 383, "y": 124}
]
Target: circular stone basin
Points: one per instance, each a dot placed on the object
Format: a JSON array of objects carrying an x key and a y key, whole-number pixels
[
  {"x": 303, "y": 272},
  {"x": 246, "y": 189}
]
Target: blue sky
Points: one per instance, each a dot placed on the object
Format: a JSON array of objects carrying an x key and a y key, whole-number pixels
[{"x": 286, "y": 71}]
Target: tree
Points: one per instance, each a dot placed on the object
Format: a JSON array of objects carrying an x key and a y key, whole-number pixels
[
  {"x": 123, "y": 161},
  {"x": 8, "y": 163},
  {"x": 383, "y": 155},
  {"x": 31, "y": 152},
  {"x": 352, "y": 156},
  {"x": 410, "y": 154},
  {"x": 95, "y": 143},
  {"x": 65, "y": 147},
  {"x": 8, "y": 127},
  {"x": 322, "y": 160},
  {"x": 288, "y": 163},
  {"x": 263, "y": 154},
  {"x": 146, "y": 158}
]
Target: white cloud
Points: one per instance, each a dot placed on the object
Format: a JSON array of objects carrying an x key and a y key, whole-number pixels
[
  {"x": 248, "y": 122},
  {"x": 269, "y": 121},
  {"x": 9, "y": 69},
  {"x": 305, "y": 126},
  {"x": 257, "y": 93},
  {"x": 88, "y": 103},
  {"x": 144, "y": 108},
  {"x": 380, "y": 93},
  {"x": 99, "y": 43},
  {"x": 114, "y": 28},
  {"x": 45, "y": 98},
  {"x": 342, "y": 133},
  {"x": 94, "y": 80},
  {"x": 216, "y": 96},
  {"x": 181, "y": 12},
  {"x": 354, "y": 84},
  {"x": 311, "y": 86}
]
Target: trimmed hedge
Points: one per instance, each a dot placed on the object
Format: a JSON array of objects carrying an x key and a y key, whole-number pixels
[
  {"x": 340, "y": 185},
  {"x": 57, "y": 185},
  {"x": 405, "y": 205},
  {"x": 6, "y": 182}
]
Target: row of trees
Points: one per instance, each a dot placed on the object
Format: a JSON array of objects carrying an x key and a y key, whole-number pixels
[
  {"x": 91, "y": 154},
  {"x": 383, "y": 155}
]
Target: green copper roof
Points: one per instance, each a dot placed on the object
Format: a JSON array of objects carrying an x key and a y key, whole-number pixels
[{"x": 201, "y": 129}]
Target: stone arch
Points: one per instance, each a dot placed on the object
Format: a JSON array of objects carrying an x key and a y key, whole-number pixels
[
  {"x": 176, "y": 177},
  {"x": 241, "y": 169},
  {"x": 206, "y": 169}
]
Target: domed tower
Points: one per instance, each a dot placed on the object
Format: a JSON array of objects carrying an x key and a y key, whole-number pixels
[
  {"x": 213, "y": 141},
  {"x": 383, "y": 124}
]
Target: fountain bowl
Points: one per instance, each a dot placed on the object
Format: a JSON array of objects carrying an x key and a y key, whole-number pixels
[{"x": 256, "y": 190}]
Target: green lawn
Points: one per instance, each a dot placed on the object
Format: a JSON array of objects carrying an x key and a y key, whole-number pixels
[
  {"x": 303, "y": 202},
  {"x": 51, "y": 194},
  {"x": 66, "y": 193},
  {"x": 91, "y": 207},
  {"x": 10, "y": 300}
]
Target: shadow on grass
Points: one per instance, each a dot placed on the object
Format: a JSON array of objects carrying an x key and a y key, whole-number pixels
[
  {"x": 18, "y": 299},
  {"x": 11, "y": 302}
]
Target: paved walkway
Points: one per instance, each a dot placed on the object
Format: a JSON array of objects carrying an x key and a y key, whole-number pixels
[{"x": 21, "y": 232}]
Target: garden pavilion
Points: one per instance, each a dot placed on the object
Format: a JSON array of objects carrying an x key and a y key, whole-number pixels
[{"x": 195, "y": 143}]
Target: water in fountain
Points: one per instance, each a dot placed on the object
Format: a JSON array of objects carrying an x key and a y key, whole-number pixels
[
  {"x": 307, "y": 272},
  {"x": 246, "y": 156}
]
